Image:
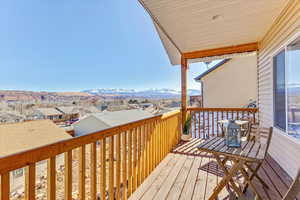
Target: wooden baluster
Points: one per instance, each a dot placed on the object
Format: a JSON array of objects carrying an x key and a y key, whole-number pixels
[
  {"x": 150, "y": 147},
  {"x": 237, "y": 115},
  {"x": 118, "y": 166},
  {"x": 198, "y": 124},
  {"x": 203, "y": 126},
  {"x": 232, "y": 115},
  {"x": 51, "y": 176},
  {"x": 142, "y": 154},
  {"x": 139, "y": 145},
  {"x": 145, "y": 159},
  {"x": 93, "y": 165},
  {"x": 103, "y": 168},
  {"x": 227, "y": 117},
  {"x": 111, "y": 169},
  {"x": 165, "y": 138},
  {"x": 254, "y": 116},
  {"x": 158, "y": 141},
  {"x": 68, "y": 175},
  {"x": 129, "y": 162},
  {"x": 30, "y": 182},
  {"x": 156, "y": 150},
  {"x": 124, "y": 163},
  {"x": 194, "y": 124},
  {"x": 161, "y": 139},
  {"x": 213, "y": 123},
  {"x": 81, "y": 169},
  {"x": 4, "y": 190},
  {"x": 147, "y": 150},
  {"x": 134, "y": 179},
  {"x": 222, "y": 115},
  {"x": 208, "y": 127},
  {"x": 217, "y": 123},
  {"x": 154, "y": 144}
]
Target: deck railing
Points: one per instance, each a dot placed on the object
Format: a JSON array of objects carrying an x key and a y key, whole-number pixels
[
  {"x": 205, "y": 120},
  {"x": 116, "y": 160}
]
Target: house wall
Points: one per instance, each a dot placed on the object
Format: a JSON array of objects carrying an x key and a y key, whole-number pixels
[
  {"x": 285, "y": 150},
  {"x": 232, "y": 84},
  {"x": 88, "y": 125}
]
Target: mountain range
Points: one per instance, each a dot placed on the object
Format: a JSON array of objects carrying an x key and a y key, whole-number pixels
[{"x": 148, "y": 93}]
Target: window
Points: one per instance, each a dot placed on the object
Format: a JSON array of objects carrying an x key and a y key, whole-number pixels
[
  {"x": 287, "y": 89},
  {"x": 279, "y": 91}
]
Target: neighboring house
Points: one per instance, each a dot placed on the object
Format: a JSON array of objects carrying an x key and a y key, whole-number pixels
[
  {"x": 99, "y": 121},
  {"x": 57, "y": 114},
  {"x": 69, "y": 112},
  {"x": 230, "y": 83},
  {"x": 18, "y": 137},
  {"x": 49, "y": 113}
]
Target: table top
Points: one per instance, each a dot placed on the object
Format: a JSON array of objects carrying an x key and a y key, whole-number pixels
[
  {"x": 249, "y": 150},
  {"x": 238, "y": 122}
]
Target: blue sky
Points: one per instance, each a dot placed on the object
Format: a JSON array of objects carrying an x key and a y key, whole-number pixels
[{"x": 74, "y": 45}]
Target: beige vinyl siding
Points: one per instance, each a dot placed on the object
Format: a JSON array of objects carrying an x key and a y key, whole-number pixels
[
  {"x": 285, "y": 150},
  {"x": 234, "y": 82}
]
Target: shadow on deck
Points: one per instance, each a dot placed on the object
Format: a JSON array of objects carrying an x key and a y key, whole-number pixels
[{"x": 187, "y": 173}]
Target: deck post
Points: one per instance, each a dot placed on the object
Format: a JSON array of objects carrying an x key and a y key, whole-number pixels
[{"x": 184, "y": 68}]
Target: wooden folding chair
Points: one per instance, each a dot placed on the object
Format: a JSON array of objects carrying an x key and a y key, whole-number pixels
[
  {"x": 292, "y": 192},
  {"x": 259, "y": 134},
  {"x": 294, "y": 189}
]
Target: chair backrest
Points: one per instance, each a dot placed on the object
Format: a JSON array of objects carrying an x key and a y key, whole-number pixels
[
  {"x": 294, "y": 189},
  {"x": 261, "y": 134},
  {"x": 253, "y": 131}
]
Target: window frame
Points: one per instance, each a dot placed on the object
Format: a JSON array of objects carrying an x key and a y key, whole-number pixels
[
  {"x": 285, "y": 88},
  {"x": 282, "y": 47}
]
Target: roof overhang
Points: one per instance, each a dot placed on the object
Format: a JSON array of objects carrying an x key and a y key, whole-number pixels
[{"x": 205, "y": 28}]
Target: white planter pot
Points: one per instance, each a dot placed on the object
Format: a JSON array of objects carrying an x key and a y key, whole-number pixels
[{"x": 185, "y": 137}]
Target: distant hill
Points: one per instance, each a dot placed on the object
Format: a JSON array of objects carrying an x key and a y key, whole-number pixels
[
  {"x": 149, "y": 93},
  {"x": 17, "y": 95}
]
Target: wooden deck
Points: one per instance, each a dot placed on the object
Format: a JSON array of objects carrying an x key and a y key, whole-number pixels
[{"x": 188, "y": 174}]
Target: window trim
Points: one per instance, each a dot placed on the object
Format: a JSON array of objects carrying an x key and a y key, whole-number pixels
[{"x": 272, "y": 55}]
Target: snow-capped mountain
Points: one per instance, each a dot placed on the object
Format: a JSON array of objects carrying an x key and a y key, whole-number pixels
[{"x": 148, "y": 93}]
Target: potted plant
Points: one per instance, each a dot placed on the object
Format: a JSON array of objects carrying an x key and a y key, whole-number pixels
[{"x": 186, "y": 136}]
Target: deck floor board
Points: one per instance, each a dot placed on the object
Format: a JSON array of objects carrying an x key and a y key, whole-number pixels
[{"x": 186, "y": 175}]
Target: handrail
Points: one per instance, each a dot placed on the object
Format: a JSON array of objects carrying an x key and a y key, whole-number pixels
[
  {"x": 205, "y": 121},
  {"x": 142, "y": 144},
  {"x": 18, "y": 160},
  {"x": 222, "y": 109}
]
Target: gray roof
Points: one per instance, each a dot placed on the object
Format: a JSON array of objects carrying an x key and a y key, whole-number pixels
[
  {"x": 122, "y": 117},
  {"x": 198, "y": 78}
]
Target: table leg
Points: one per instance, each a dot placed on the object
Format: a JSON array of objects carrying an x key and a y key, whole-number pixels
[
  {"x": 222, "y": 164},
  {"x": 235, "y": 168}
]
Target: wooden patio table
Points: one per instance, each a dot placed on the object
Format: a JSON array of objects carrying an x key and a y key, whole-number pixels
[{"x": 250, "y": 152}]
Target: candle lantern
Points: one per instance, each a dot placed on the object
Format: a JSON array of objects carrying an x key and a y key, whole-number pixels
[{"x": 233, "y": 134}]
